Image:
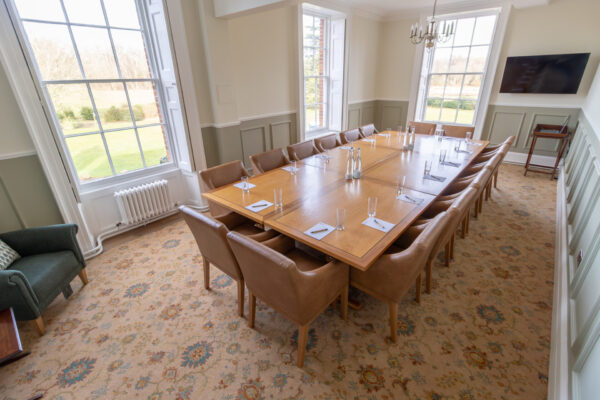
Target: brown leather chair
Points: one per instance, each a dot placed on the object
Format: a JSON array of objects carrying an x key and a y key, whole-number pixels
[
  {"x": 328, "y": 142},
  {"x": 423, "y": 128},
  {"x": 294, "y": 283},
  {"x": 302, "y": 150},
  {"x": 457, "y": 131},
  {"x": 367, "y": 130},
  {"x": 211, "y": 237},
  {"x": 218, "y": 176},
  {"x": 268, "y": 160},
  {"x": 392, "y": 275},
  {"x": 350, "y": 136}
]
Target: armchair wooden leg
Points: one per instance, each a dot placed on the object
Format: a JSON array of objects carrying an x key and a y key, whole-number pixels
[
  {"x": 241, "y": 291},
  {"x": 419, "y": 283},
  {"x": 39, "y": 325},
  {"x": 393, "y": 321},
  {"x": 463, "y": 228},
  {"x": 252, "y": 309},
  {"x": 206, "y": 267},
  {"x": 302, "y": 338},
  {"x": 428, "y": 276},
  {"x": 452, "y": 240},
  {"x": 476, "y": 211},
  {"x": 496, "y": 179},
  {"x": 481, "y": 203},
  {"x": 344, "y": 303},
  {"x": 83, "y": 277}
]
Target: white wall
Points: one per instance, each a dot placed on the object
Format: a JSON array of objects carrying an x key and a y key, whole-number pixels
[
  {"x": 591, "y": 108},
  {"x": 14, "y": 136},
  {"x": 364, "y": 58},
  {"x": 563, "y": 26}
]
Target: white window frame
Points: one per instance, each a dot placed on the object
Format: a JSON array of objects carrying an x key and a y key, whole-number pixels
[
  {"x": 502, "y": 10},
  {"x": 96, "y": 184}
]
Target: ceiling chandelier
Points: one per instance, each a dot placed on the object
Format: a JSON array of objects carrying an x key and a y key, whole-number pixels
[{"x": 432, "y": 32}]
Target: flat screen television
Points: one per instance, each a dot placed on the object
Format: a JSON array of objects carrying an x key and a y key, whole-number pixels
[{"x": 557, "y": 73}]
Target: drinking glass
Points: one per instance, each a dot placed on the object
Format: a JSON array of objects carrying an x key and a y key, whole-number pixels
[
  {"x": 278, "y": 197},
  {"x": 457, "y": 144},
  {"x": 443, "y": 156},
  {"x": 372, "y": 207},
  {"x": 245, "y": 185},
  {"x": 293, "y": 169},
  {"x": 340, "y": 219},
  {"x": 427, "y": 169},
  {"x": 468, "y": 137},
  {"x": 440, "y": 134},
  {"x": 388, "y": 130},
  {"x": 401, "y": 184}
]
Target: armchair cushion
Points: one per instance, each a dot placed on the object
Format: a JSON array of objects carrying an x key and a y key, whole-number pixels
[
  {"x": 48, "y": 274},
  {"x": 7, "y": 255}
]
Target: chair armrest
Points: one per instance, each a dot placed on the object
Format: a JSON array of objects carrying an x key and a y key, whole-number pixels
[
  {"x": 44, "y": 239},
  {"x": 324, "y": 281},
  {"x": 232, "y": 219},
  {"x": 281, "y": 244},
  {"x": 16, "y": 292}
]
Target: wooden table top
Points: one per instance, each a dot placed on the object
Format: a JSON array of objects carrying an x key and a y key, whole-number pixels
[
  {"x": 313, "y": 194},
  {"x": 10, "y": 343}
]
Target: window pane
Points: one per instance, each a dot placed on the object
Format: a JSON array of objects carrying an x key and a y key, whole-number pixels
[
  {"x": 441, "y": 59},
  {"x": 95, "y": 52},
  {"x": 49, "y": 10},
  {"x": 122, "y": 13},
  {"x": 53, "y": 51},
  {"x": 111, "y": 103},
  {"x": 459, "y": 59},
  {"x": 453, "y": 85},
  {"x": 154, "y": 145},
  {"x": 73, "y": 108},
  {"x": 143, "y": 99},
  {"x": 449, "y": 111},
  {"x": 85, "y": 12},
  {"x": 89, "y": 156},
  {"x": 471, "y": 87},
  {"x": 451, "y": 39},
  {"x": 436, "y": 86},
  {"x": 432, "y": 111},
  {"x": 310, "y": 118},
  {"x": 477, "y": 59},
  {"x": 464, "y": 32},
  {"x": 131, "y": 52},
  {"x": 466, "y": 112},
  {"x": 309, "y": 62},
  {"x": 310, "y": 91},
  {"x": 310, "y": 38},
  {"x": 484, "y": 30},
  {"x": 124, "y": 151}
]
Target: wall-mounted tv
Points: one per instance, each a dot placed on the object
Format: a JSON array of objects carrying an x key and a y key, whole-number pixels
[{"x": 558, "y": 73}]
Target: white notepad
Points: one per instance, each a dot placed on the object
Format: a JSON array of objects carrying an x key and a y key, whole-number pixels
[
  {"x": 259, "y": 205},
  {"x": 410, "y": 199},
  {"x": 241, "y": 185},
  {"x": 384, "y": 134},
  {"x": 378, "y": 224},
  {"x": 369, "y": 140},
  {"x": 345, "y": 147},
  {"x": 321, "y": 230},
  {"x": 289, "y": 168}
]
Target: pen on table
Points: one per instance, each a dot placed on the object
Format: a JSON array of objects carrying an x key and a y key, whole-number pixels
[
  {"x": 259, "y": 205},
  {"x": 319, "y": 231}
]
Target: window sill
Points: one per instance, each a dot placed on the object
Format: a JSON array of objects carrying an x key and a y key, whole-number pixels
[{"x": 318, "y": 134}]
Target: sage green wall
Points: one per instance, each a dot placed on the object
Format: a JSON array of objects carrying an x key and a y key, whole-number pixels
[
  {"x": 383, "y": 113},
  {"x": 504, "y": 121},
  {"x": 25, "y": 196}
]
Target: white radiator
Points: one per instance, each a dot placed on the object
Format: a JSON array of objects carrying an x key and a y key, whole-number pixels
[{"x": 143, "y": 202}]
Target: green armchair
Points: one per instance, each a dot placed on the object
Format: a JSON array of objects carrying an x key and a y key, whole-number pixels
[{"x": 50, "y": 259}]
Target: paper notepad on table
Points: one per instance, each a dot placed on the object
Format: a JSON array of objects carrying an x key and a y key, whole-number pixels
[
  {"x": 289, "y": 168},
  {"x": 410, "y": 199},
  {"x": 384, "y": 134},
  {"x": 369, "y": 140},
  {"x": 319, "y": 231},
  {"x": 434, "y": 178},
  {"x": 259, "y": 206},
  {"x": 378, "y": 224},
  {"x": 451, "y": 164},
  {"x": 241, "y": 185},
  {"x": 345, "y": 147}
]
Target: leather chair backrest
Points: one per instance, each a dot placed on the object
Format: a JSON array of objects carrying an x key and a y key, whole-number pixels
[
  {"x": 350, "y": 136},
  {"x": 268, "y": 160},
  {"x": 368, "y": 130},
  {"x": 457, "y": 131},
  {"x": 302, "y": 150},
  {"x": 221, "y": 175},
  {"x": 423, "y": 128},
  {"x": 211, "y": 237},
  {"x": 327, "y": 142}
]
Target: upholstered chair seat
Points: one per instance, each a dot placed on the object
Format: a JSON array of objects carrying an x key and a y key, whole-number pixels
[
  {"x": 328, "y": 142},
  {"x": 268, "y": 160},
  {"x": 300, "y": 151},
  {"x": 294, "y": 283},
  {"x": 211, "y": 236},
  {"x": 218, "y": 176},
  {"x": 351, "y": 135}
]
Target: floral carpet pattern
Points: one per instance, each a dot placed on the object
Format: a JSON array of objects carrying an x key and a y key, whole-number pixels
[{"x": 145, "y": 327}]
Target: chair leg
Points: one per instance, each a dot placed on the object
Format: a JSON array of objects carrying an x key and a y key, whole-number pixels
[
  {"x": 428, "y": 276},
  {"x": 452, "y": 240},
  {"x": 393, "y": 321},
  {"x": 252, "y": 309},
  {"x": 83, "y": 276},
  {"x": 344, "y": 303},
  {"x": 468, "y": 222},
  {"x": 241, "y": 289},
  {"x": 463, "y": 227},
  {"x": 496, "y": 179},
  {"x": 39, "y": 325},
  {"x": 302, "y": 338},
  {"x": 447, "y": 254},
  {"x": 419, "y": 283},
  {"x": 481, "y": 203},
  {"x": 206, "y": 267},
  {"x": 476, "y": 211}
]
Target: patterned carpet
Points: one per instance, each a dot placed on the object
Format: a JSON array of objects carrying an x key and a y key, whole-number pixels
[{"x": 145, "y": 328}]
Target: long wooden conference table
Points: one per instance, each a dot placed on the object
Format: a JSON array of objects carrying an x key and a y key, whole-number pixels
[{"x": 319, "y": 187}]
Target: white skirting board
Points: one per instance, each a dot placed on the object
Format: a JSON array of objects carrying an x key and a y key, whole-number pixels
[
  {"x": 521, "y": 158},
  {"x": 558, "y": 376}
]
